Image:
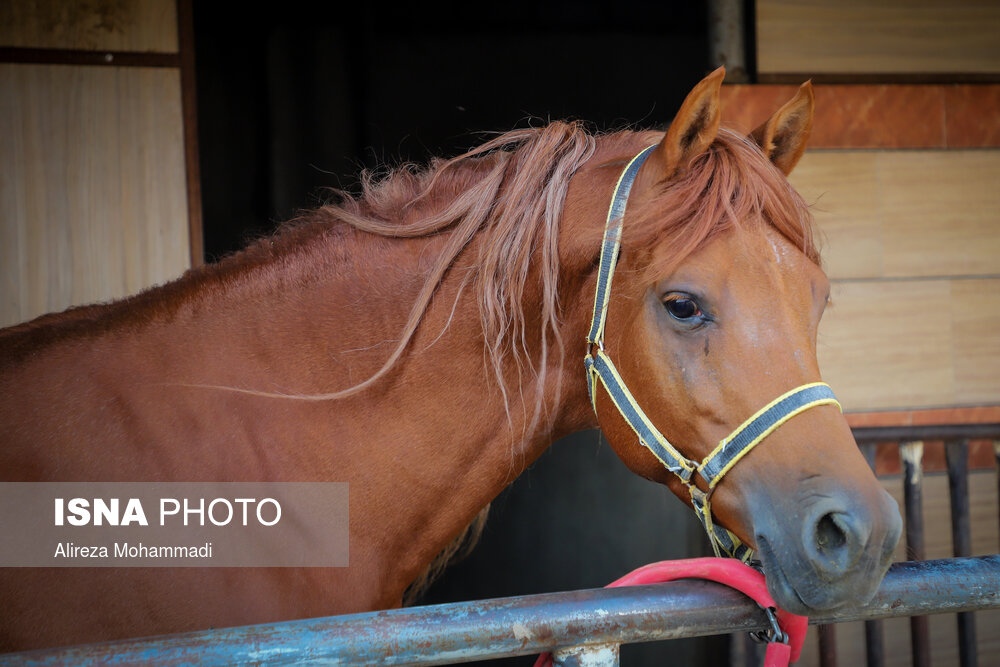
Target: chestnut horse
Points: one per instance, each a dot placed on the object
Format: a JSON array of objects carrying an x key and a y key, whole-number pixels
[{"x": 423, "y": 343}]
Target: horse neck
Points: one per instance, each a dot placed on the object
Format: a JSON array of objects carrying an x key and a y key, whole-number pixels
[{"x": 169, "y": 385}]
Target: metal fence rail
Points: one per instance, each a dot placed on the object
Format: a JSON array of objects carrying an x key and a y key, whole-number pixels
[{"x": 467, "y": 631}]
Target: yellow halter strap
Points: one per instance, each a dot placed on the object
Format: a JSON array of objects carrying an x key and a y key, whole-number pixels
[{"x": 730, "y": 449}]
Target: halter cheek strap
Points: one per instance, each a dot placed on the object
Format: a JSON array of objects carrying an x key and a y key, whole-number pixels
[{"x": 730, "y": 449}]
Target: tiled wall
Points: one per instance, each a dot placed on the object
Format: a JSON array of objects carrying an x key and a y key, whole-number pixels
[
  {"x": 903, "y": 180},
  {"x": 881, "y": 116}
]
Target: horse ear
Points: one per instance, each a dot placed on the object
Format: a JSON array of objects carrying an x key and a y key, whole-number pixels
[
  {"x": 693, "y": 129},
  {"x": 783, "y": 137}
]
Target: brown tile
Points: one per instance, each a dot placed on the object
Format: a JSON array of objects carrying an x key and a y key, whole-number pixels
[
  {"x": 972, "y": 116},
  {"x": 974, "y": 415},
  {"x": 744, "y": 107},
  {"x": 879, "y": 116},
  {"x": 850, "y": 116}
]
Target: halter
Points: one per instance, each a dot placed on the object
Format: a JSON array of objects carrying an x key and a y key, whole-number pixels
[{"x": 731, "y": 448}]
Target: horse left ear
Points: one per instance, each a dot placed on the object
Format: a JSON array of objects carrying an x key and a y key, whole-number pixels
[
  {"x": 690, "y": 133},
  {"x": 783, "y": 137}
]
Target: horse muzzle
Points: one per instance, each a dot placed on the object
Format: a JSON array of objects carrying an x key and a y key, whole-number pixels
[{"x": 829, "y": 551}]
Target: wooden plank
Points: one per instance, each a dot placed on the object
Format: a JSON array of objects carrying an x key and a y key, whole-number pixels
[
  {"x": 845, "y": 195},
  {"x": 92, "y": 185},
  {"x": 878, "y": 36},
  {"x": 886, "y": 345},
  {"x": 123, "y": 25},
  {"x": 976, "y": 321},
  {"x": 900, "y": 214},
  {"x": 913, "y": 344}
]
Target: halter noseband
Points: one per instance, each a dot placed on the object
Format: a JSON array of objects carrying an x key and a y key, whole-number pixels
[{"x": 731, "y": 448}]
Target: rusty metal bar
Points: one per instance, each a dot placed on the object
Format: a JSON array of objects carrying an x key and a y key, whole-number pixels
[
  {"x": 467, "y": 631},
  {"x": 874, "y": 633},
  {"x": 874, "y": 644},
  {"x": 827, "y": 646},
  {"x": 912, "y": 454},
  {"x": 996, "y": 455},
  {"x": 957, "y": 459},
  {"x": 751, "y": 657}
]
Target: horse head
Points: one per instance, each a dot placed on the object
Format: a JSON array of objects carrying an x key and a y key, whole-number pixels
[{"x": 710, "y": 315}]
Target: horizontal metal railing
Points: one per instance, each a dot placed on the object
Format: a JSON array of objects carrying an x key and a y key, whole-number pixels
[{"x": 467, "y": 631}]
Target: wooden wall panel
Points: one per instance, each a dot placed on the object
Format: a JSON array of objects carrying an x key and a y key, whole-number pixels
[
  {"x": 99, "y": 25},
  {"x": 912, "y": 343},
  {"x": 976, "y": 339},
  {"x": 897, "y": 214},
  {"x": 881, "y": 346},
  {"x": 912, "y": 242},
  {"x": 878, "y": 36},
  {"x": 92, "y": 185}
]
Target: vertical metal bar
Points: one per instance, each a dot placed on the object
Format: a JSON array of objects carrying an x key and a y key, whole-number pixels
[
  {"x": 827, "y": 646},
  {"x": 750, "y": 655},
  {"x": 996, "y": 455},
  {"x": 874, "y": 634},
  {"x": 912, "y": 454},
  {"x": 956, "y": 454}
]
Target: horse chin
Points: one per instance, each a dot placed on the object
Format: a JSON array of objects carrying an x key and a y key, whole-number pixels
[{"x": 796, "y": 588}]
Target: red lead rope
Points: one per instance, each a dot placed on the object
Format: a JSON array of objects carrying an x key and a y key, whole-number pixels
[{"x": 734, "y": 574}]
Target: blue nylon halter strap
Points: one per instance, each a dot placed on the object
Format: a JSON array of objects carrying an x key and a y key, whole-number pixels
[{"x": 733, "y": 447}]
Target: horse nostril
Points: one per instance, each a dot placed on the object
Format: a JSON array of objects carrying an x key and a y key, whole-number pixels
[
  {"x": 830, "y": 534},
  {"x": 837, "y": 542}
]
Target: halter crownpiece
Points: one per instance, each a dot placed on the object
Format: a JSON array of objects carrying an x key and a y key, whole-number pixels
[{"x": 731, "y": 448}]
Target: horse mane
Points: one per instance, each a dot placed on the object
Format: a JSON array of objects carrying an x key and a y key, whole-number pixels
[{"x": 508, "y": 194}]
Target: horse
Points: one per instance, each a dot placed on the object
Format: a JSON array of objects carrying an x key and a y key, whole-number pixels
[{"x": 422, "y": 340}]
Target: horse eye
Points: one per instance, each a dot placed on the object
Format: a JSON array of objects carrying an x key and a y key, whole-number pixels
[{"x": 682, "y": 308}]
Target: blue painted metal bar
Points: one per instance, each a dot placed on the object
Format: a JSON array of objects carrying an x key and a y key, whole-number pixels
[
  {"x": 467, "y": 631},
  {"x": 874, "y": 633},
  {"x": 913, "y": 510},
  {"x": 956, "y": 455}
]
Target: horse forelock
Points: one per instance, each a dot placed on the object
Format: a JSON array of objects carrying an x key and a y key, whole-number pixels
[{"x": 731, "y": 186}]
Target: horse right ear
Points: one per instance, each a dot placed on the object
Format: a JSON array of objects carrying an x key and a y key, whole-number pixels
[
  {"x": 783, "y": 137},
  {"x": 693, "y": 129}
]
